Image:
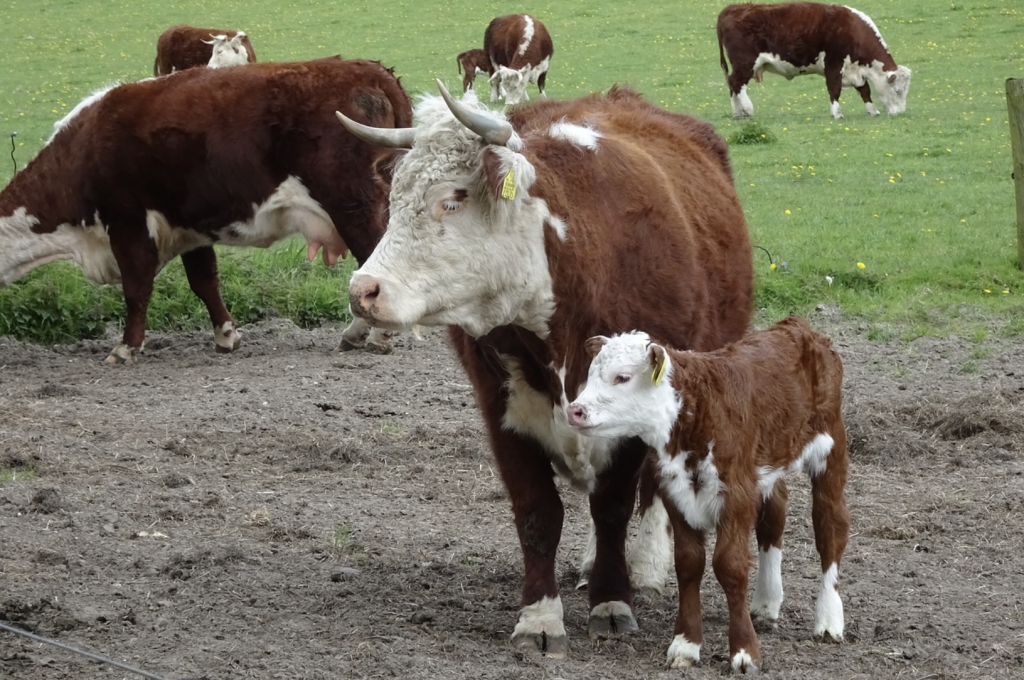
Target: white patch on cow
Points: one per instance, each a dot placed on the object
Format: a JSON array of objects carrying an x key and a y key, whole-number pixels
[
  {"x": 22, "y": 250},
  {"x": 836, "y": 112},
  {"x": 814, "y": 456},
  {"x": 828, "y": 614},
  {"x": 742, "y": 661},
  {"x": 172, "y": 241},
  {"x": 79, "y": 107},
  {"x": 611, "y": 610},
  {"x": 538, "y": 70},
  {"x": 742, "y": 107},
  {"x": 577, "y": 458},
  {"x": 767, "y": 476},
  {"x": 773, "y": 63},
  {"x": 870, "y": 108},
  {"x": 524, "y": 43},
  {"x": 767, "y": 600},
  {"x": 580, "y": 135},
  {"x": 558, "y": 224},
  {"x": 479, "y": 265},
  {"x": 867, "y": 20},
  {"x": 649, "y": 555},
  {"x": 682, "y": 653},
  {"x": 227, "y": 336},
  {"x": 542, "y": 617},
  {"x": 698, "y": 496}
]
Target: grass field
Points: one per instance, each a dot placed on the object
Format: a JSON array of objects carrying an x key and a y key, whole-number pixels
[{"x": 911, "y": 217}]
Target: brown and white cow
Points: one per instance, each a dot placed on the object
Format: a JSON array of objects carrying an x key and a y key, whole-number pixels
[
  {"x": 726, "y": 426},
  {"x": 796, "y": 38},
  {"x": 143, "y": 172},
  {"x": 528, "y": 234},
  {"x": 519, "y": 48},
  {"x": 183, "y": 47},
  {"x": 471, "y": 64}
]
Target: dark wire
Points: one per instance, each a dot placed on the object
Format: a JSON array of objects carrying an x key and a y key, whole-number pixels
[{"x": 13, "y": 160}]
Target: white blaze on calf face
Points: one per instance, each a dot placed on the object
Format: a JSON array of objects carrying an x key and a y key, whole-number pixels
[
  {"x": 228, "y": 52},
  {"x": 453, "y": 252}
]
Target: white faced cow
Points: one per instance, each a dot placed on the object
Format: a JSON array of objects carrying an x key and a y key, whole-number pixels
[
  {"x": 184, "y": 47},
  {"x": 144, "y": 172},
  {"x": 528, "y": 234},
  {"x": 797, "y": 38},
  {"x": 519, "y": 48},
  {"x": 726, "y": 427}
]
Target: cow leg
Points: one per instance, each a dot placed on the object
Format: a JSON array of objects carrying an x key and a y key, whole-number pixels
[
  {"x": 691, "y": 558},
  {"x": 731, "y": 563},
  {"x": 741, "y": 74},
  {"x": 611, "y": 506},
  {"x": 865, "y": 94},
  {"x": 201, "y": 270},
  {"x": 834, "y": 84},
  {"x": 649, "y": 555},
  {"x": 540, "y": 82},
  {"x": 831, "y": 520},
  {"x": 138, "y": 261},
  {"x": 771, "y": 524}
]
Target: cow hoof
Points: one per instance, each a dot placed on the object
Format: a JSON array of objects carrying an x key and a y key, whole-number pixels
[
  {"x": 611, "y": 619},
  {"x": 829, "y": 638},
  {"x": 346, "y": 346},
  {"x": 374, "y": 348},
  {"x": 122, "y": 354},
  {"x": 220, "y": 349},
  {"x": 550, "y": 646},
  {"x": 743, "y": 664}
]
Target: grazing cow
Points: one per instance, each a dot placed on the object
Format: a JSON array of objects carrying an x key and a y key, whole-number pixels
[
  {"x": 183, "y": 47},
  {"x": 471, "y": 64},
  {"x": 726, "y": 426},
  {"x": 527, "y": 235},
  {"x": 796, "y": 38},
  {"x": 519, "y": 49},
  {"x": 142, "y": 172}
]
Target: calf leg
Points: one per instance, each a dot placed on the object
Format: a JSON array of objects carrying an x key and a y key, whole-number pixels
[
  {"x": 731, "y": 563},
  {"x": 771, "y": 524},
  {"x": 540, "y": 82},
  {"x": 834, "y": 84},
  {"x": 201, "y": 270},
  {"x": 137, "y": 259},
  {"x": 611, "y": 506},
  {"x": 691, "y": 559},
  {"x": 865, "y": 94},
  {"x": 741, "y": 74},
  {"x": 831, "y": 520}
]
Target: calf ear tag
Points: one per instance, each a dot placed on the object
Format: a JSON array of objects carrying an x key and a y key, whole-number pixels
[
  {"x": 659, "y": 373},
  {"x": 508, "y": 187}
]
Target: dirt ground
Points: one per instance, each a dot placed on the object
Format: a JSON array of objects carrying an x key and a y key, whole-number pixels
[{"x": 293, "y": 512}]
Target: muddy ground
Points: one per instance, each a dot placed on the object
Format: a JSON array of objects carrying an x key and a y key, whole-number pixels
[{"x": 293, "y": 512}]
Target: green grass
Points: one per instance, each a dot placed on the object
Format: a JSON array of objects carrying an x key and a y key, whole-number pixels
[
  {"x": 924, "y": 201},
  {"x": 17, "y": 474}
]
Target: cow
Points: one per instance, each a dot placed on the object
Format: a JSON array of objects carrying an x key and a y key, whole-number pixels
[
  {"x": 472, "y": 63},
  {"x": 142, "y": 172},
  {"x": 183, "y": 47},
  {"x": 796, "y": 38},
  {"x": 528, "y": 232},
  {"x": 519, "y": 49},
  {"x": 228, "y": 51},
  {"x": 726, "y": 426}
]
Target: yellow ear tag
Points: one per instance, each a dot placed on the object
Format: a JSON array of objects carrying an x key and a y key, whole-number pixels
[
  {"x": 656, "y": 378},
  {"x": 508, "y": 187}
]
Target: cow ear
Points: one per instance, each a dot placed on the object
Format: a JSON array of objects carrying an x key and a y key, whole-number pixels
[
  {"x": 383, "y": 167},
  {"x": 658, "y": 360},
  {"x": 594, "y": 345},
  {"x": 891, "y": 78},
  {"x": 506, "y": 174}
]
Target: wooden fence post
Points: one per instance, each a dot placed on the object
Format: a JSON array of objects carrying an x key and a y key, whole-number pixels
[{"x": 1015, "y": 106}]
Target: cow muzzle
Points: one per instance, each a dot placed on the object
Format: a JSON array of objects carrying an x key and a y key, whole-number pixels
[{"x": 364, "y": 296}]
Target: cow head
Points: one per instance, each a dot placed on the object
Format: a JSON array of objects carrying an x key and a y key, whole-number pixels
[
  {"x": 512, "y": 83},
  {"x": 892, "y": 88},
  {"x": 629, "y": 389},
  {"x": 464, "y": 243},
  {"x": 227, "y": 52}
]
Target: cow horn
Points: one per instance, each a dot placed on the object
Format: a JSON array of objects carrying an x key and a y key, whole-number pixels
[
  {"x": 493, "y": 131},
  {"x": 393, "y": 138}
]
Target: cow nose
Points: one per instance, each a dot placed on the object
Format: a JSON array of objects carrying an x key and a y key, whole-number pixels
[
  {"x": 363, "y": 292},
  {"x": 577, "y": 414}
]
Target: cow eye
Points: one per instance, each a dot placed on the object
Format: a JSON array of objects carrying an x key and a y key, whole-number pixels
[
  {"x": 450, "y": 205},
  {"x": 621, "y": 378}
]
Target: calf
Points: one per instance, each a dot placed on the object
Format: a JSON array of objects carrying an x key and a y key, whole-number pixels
[
  {"x": 184, "y": 47},
  {"x": 797, "y": 38},
  {"x": 228, "y": 51},
  {"x": 725, "y": 427},
  {"x": 471, "y": 64},
  {"x": 519, "y": 49}
]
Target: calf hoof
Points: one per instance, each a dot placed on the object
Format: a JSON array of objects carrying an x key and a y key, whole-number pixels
[
  {"x": 744, "y": 664},
  {"x": 550, "y": 646},
  {"x": 611, "y": 619},
  {"x": 122, "y": 354}
]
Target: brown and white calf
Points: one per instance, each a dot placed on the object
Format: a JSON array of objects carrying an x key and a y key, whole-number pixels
[
  {"x": 527, "y": 233},
  {"x": 797, "y": 38},
  {"x": 726, "y": 426},
  {"x": 519, "y": 48},
  {"x": 141, "y": 173},
  {"x": 471, "y": 64},
  {"x": 184, "y": 47}
]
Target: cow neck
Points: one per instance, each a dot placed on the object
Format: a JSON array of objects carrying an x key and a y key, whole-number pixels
[{"x": 51, "y": 202}]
